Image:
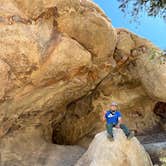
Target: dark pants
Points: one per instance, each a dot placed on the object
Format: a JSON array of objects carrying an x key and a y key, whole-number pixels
[{"x": 122, "y": 126}]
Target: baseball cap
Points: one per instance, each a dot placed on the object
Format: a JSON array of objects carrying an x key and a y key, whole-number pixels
[{"x": 114, "y": 104}]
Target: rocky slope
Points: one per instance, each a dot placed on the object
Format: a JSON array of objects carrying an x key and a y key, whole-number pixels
[{"x": 62, "y": 63}]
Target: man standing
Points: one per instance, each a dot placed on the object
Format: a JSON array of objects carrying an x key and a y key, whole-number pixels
[{"x": 114, "y": 119}]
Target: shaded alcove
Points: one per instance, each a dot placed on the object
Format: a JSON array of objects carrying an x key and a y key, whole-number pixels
[{"x": 160, "y": 110}]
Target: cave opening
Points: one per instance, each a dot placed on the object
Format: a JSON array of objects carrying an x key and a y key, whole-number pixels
[
  {"x": 61, "y": 134},
  {"x": 160, "y": 110},
  {"x": 77, "y": 122},
  {"x": 57, "y": 138}
]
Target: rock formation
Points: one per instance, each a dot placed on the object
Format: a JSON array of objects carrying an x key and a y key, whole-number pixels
[
  {"x": 61, "y": 63},
  {"x": 125, "y": 85},
  {"x": 118, "y": 152},
  {"x": 28, "y": 148},
  {"x": 157, "y": 152}
]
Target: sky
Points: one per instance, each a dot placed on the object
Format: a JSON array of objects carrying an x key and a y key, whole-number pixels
[{"x": 154, "y": 29}]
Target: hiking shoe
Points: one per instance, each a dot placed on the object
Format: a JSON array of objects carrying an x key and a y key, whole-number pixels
[
  {"x": 131, "y": 135},
  {"x": 110, "y": 137}
]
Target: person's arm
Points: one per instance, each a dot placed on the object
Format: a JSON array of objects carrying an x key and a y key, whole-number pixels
[{"x": 103, "y": 115}]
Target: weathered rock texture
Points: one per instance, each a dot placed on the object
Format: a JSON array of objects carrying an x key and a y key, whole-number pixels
[
  {"x": 28, "y": 148},
  {"x": 118, "y": 152},
  {"x": 44, "y": 66},
  {"x": 157, "y": 152},
  {"x": 124, "y": 85},
  {"x": 61, "y": 63}
]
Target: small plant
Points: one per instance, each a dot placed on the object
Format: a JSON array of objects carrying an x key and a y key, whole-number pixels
[
  {"x": 161, "y": 55},
  {"x": 163, "y": 161},
  {"x": 154, "y": 53}
]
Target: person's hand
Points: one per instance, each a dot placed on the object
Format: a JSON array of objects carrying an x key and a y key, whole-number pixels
[
  {"x": 103, "y": 116},
  {"x": 117, "y": 126}
]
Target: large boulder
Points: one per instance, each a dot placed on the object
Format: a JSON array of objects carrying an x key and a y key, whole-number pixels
[
  {"x": 119, "y": 152},
  {"x": 44, "y": 63},
  {"x": 51, "y": 54},
  {"x": 152, "y": 73}
]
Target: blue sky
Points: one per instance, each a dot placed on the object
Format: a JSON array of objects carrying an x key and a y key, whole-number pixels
[{"x": 154, "y": 29}]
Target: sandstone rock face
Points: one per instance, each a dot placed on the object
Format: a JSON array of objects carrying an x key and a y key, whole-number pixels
[
  {"x": 46, "y": 63},
  {"x": 124, "y": 85},
  {"x": 27, "y": 147},
  {"x": 118, "y": 152},
  {"x": 44, "y": 66},
  {"x": 61, "y": 64}
]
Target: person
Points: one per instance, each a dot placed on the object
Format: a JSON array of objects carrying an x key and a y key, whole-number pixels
[{"x": 113, "y": 118}]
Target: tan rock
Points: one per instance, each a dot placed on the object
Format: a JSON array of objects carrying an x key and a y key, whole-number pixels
[
  {"x": 15, "y": 49},
  {"x": 5, "y": 79},
  {"x": 61, "y": 63},
  {"x": 27, "y": 147},
  {"x": 125, "y": 42},
  {"x": 118, "y": 152},
  {"x": 44, "y": 69},
  {"x": 95, "y": 27},
  {"x": 125, "y": 85},
  {"x": 152, "y": 73}
]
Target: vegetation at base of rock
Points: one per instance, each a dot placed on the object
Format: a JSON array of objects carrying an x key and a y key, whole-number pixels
[{"x": 163, "y": 160}]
